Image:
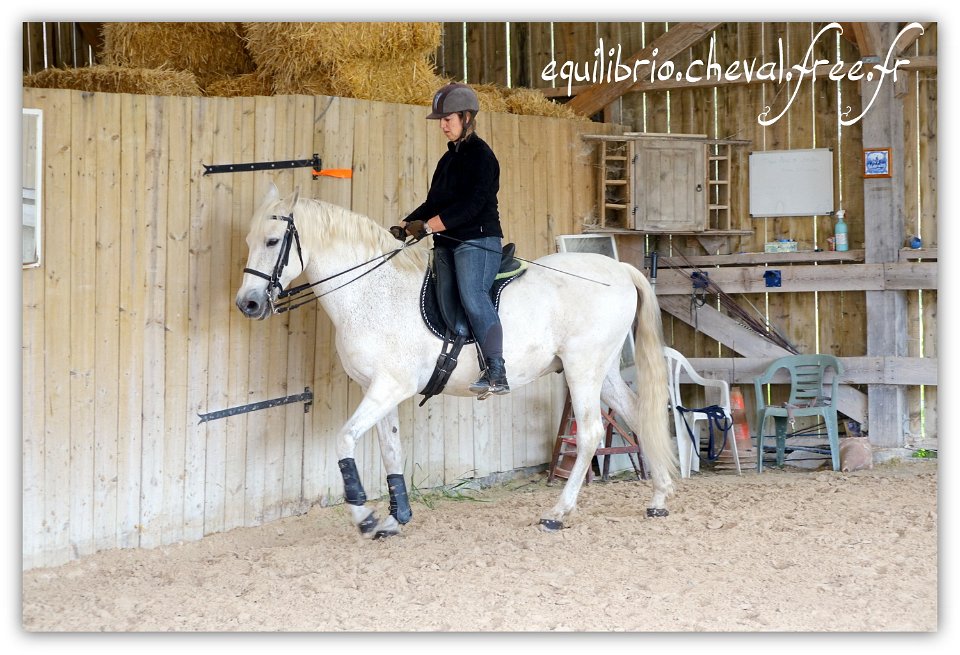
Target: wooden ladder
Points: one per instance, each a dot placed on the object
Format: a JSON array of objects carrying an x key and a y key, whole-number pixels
[
  {"x": 565, "y": 447},
  {"x": 718, "y": 184},
  {"x": 616, "y": 191}
]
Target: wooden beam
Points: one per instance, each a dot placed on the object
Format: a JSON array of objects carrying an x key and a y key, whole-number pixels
[
  {"x": 867, "y": 37},
  {"x": 857, "y": 370},
  {"x": 724, "y": 329},
  {"x": 805, "y": 278},
  {"x": 668, "y": 45},
  {"x": 911, "y": 39},
  {"x": 884, "y": 204}
]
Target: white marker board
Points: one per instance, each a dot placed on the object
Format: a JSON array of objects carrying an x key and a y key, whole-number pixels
[{"x": 791, "y": 182}]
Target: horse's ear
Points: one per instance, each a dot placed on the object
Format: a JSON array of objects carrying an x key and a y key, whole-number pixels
[
  {"x": 273, "y": 194},
  {"x": 293, "y": 200}
]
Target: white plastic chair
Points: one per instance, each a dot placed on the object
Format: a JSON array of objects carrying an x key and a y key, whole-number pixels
[{"x": 689, "y": 458}]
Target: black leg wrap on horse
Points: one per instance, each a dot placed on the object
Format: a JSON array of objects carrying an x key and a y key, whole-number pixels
[
  {"x": 353, "y": 491},
  {"x": 399, "y": 503},
  {"x": 551, "y": 524},
  {"x": 657, "y": 511}
]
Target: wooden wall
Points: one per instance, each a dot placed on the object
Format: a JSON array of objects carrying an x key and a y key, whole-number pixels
[{"x": 130, "y": 331}]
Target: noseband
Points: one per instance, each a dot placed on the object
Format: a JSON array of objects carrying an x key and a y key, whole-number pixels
[{"x": 274, "y": 288}]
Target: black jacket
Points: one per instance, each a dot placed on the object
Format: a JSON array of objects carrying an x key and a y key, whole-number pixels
[{"x": 464, "y": 193}]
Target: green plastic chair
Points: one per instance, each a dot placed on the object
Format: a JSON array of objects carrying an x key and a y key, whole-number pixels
[{"x": 807, "y": 398}]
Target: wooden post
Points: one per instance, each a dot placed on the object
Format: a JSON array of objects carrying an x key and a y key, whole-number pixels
[{"x": 883, "y": 206}]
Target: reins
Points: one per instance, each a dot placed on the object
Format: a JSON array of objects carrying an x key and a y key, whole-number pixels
[{"x": 290, "y": 296}]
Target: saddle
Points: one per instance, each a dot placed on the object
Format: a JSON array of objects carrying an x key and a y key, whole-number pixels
[{"x": 443, "y": 312}]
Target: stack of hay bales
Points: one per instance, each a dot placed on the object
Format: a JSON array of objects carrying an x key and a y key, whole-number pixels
[
  {"x": 385, "y": 61},
  {"x": 371, "y": 61},
  {"x": 157, "y": 59}
]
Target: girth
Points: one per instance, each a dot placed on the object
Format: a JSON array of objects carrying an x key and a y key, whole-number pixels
[{"x": 443, "y": 312}]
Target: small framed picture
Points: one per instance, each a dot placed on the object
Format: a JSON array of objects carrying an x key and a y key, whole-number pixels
[{"x": 876, "y": 162}]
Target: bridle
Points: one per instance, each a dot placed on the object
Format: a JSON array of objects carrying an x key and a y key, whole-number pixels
[
  {"x": 274, "y": 288},
  {"x": 290, "y": 297}
]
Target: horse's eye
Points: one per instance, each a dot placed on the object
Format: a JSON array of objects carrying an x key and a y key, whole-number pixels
[{"x": 271, "y": 242}]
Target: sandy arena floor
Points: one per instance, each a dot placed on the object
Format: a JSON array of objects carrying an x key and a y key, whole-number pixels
[{"x": 780, "y": 551}]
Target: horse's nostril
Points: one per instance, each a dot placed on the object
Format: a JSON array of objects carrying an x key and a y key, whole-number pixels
[{"x": 249, "y": 307}]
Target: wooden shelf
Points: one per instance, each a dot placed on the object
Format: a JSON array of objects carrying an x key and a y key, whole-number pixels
[
  {"x": 752, "y": 258},
  {"x": 686, "y": 233}
]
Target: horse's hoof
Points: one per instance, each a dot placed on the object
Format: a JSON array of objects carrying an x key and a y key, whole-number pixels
[
  {"x": 388, "y": 528},
  {"x": 657, "y": 511},
  {"x": 551, "y": 525},
  {"x": 367, "y": 525}
]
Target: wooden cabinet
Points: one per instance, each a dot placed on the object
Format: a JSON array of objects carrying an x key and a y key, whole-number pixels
[
  {"x": 664, "y": 184},
  {"x": 670, "y": 186}
]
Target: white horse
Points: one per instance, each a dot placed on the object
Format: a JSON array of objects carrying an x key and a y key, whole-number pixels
[{"x": 552, "y": 321}]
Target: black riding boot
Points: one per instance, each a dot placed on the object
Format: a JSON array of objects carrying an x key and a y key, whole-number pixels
[{"x": 493, "y": 379}]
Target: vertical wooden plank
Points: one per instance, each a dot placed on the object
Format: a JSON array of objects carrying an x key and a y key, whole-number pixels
[
  {"x": 340, "y": 120},
  {"x": 108, "y": 222},
  {"x": 246, "y": 197},
  {"x": 203, "y": 126},
  {"x": 451, "y": 63},
  {"x": 411, "y": 188},
  {"x": 829, "y": 304},
  {"x": 57, "y": 181},
  {"x": 432, "y": 466},
  {"x": 217, "y": 242},
  {"x": 316, "y": 463},
  {"x": 33, "y": 381},
  {"x": 132, "y": 307},
  {"x": 176, "y": 311},
  {"x": 927, "y": 119},
  {"x": 366, "y": 177},
  {"x": 261, "y": 333},
  {"x": 278, "y": 147},
  {"x": 83, "y": 203},
  {"x": 301, "y": 332},
  {"x": 154, "y": 354}
]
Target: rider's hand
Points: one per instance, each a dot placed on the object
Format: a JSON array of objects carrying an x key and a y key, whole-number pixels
[
  {"x": 417, "y": 229},
  {"x": 398, "y": 232}
]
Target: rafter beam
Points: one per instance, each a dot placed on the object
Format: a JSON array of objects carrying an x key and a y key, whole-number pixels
[{"x": 669, "y": 44}]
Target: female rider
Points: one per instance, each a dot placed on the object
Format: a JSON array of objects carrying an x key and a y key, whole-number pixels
[{"x": 461, "y": 212}]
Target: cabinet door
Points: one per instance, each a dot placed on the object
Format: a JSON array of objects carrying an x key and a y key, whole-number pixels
[{"x": 670, "y": 178}]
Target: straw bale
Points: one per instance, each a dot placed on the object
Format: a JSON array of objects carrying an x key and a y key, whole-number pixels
[
  {"x": 531, "y": 102},
  {"x": 233, "y": 86},
  {"x": 117, "y": 79},
  {"x": 301, "y": 47},
  {"x": 411, "y": 81},
  {"x": 208, "y": 50},
  {"x": 492, "y": 97}
]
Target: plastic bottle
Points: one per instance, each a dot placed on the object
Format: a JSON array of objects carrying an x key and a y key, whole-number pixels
[{"x": 840, "y": 232}]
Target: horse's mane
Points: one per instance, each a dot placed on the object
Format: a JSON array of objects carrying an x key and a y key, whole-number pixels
[{"x": 320, "y": 222}]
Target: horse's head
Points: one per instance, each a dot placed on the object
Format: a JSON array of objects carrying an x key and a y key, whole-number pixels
[{"x": 275, "y": 258}]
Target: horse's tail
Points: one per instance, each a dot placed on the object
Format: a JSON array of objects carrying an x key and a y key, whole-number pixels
[{"x": 653, "y": 398}]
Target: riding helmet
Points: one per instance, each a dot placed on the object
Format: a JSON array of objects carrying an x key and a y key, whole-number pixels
[{"x": 452, "y": 98}]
